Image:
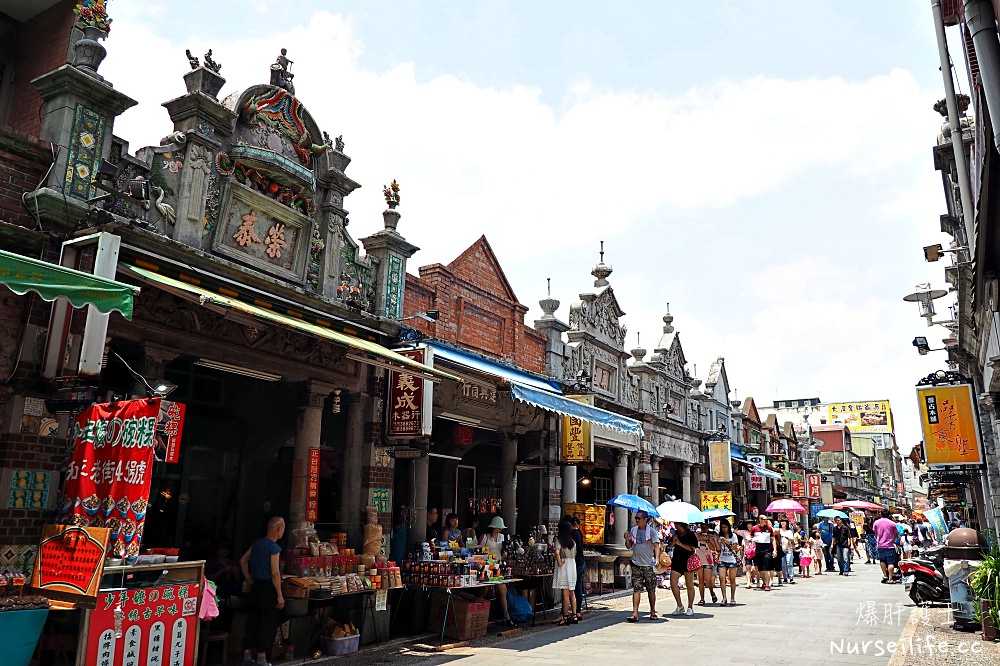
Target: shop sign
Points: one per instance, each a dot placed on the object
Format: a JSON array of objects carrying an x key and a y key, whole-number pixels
[
  {"x": 756, "y": 482},
  {"x": 474, "y": 392},
  {"x": 950, "y": 425},
  {"x": 169, "y": 427},
  {"x": 716, "y": 500},
  {"x": 798, "y": 488},
  {"x": 814, "y": 509},
  {"x": 868, "y": 416},
  {"x": 107, "y": 479},
  {"x": 814, "y": 487},
  {"x": 720, "y": 466},
  {"x": 780, "y": 466},
  {"x": 781, "y": 487},
  {"x": 312, "y": 487},
  {"x": 936, "y": 518},
  {"x": 380, "y": 499},
  {"x": 150, "y": 625},
  {"x": 592, "y": 520},
  {"x": 408, "y": 408},
  {"x": 577, "y": 441},
  {"x": 70, "y": 560},
  {"x": 757, "y": 460},
  {"x": 859, "y": 520},
  {"x": 900, "y": 488}
]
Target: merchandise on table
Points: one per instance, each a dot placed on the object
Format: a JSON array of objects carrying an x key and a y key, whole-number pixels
[{"x": 453, "y": 568}]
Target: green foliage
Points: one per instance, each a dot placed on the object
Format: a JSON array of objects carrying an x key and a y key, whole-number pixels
[{"x": 985, "y": 584}]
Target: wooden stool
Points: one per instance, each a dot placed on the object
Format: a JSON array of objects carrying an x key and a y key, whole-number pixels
[{"x": 211, "y": 636}]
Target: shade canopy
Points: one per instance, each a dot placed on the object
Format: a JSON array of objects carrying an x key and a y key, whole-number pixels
[
  {"x": 50, "y": 281},
  {"x": 831, "y": 513},
  {"x": 680, "y": 512},
  {"x": 857, "y": 504},
  {"x": 634, "y": 503},
  {"x": 786, "y": 506}
]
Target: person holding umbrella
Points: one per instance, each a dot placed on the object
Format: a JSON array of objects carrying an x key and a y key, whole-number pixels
[
  {"x": 684, "y": 543},
  {"x": 644, "y": 541}
]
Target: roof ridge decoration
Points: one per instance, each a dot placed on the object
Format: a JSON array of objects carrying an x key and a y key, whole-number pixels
[
  {"x": 484, "y": 245},
  {"x": 281, "y": 111}
]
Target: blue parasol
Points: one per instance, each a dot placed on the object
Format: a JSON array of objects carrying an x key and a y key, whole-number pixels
[
  {"x": 831, "y": 513},
  {"x": 633, "y": 503},
  {"x": 712, "y": 514},
  {"x": 680, "y": 512}
]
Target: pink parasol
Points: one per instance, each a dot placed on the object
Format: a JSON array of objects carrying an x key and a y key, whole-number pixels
[
  {"x": 857, "y": 504},
  {"x": 785, "y": 505}
]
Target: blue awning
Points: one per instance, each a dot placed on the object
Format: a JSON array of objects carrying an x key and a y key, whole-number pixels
[
  {"x": 759, "y": 470},
  {"x": 567, "y": 407},
  {"x": 481, "y": 365}
]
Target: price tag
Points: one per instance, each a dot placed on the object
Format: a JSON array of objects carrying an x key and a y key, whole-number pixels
[{"x": 381, "y": 597}]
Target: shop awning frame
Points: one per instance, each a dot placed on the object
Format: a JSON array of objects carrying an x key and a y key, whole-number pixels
[
  {"x": 483, "y": 366},
  {"x": 51, "y": 281},
  {"x": 379, "y": 355},
  {"x": 759, "y": 470}
]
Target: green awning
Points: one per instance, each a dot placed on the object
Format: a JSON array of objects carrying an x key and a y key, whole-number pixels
[
  {"x": 376, "y": 353},
  {"x": 50, "y": 281}
]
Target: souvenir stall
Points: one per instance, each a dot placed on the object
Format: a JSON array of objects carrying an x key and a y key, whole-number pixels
[{"x": 600, "y": 566}]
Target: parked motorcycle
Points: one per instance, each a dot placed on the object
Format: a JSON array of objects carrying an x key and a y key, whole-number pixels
[{"x": 924, "y": 578}]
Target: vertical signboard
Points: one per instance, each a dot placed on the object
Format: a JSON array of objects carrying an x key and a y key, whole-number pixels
[
  {"x": 408, "y": 407},
  {"x": 720, "y": 466},
  {"x": 756, "y": 482},
  {"x": 814, "y": 487},
  {"x": 950, "y": 425},
  {"x": 798, "y": 488},
  {"x": 170, "y": 426},
  {"x": 312, "y": 487},
  {"x": 577, "y": 441}
]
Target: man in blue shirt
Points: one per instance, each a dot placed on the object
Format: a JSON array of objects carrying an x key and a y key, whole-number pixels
[
  {"x": 260, "y": 566},
  {"x": 826, "y": 534}
]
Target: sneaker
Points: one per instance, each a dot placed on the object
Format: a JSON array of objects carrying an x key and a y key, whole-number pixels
[
  {"x": 678, "y": 611},
  {"x": 689, "y": 611}
]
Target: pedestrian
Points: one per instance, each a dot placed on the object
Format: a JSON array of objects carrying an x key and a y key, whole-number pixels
[
  {"x": 747, "y": 553},
  {"x": 778, "y": 558},
  {"x": 927, "y": 532},
  {"x": 818, "y": 548},
  {"x": 788, "y": 549},
  {"x": 398, "y": 538},
  {"x": 492, "y": 541},
  {"x": 825, "y": 528},
  {"x": 855, "y": 537},
  {"x": 886, "y": 536},
  {"x": 707, "y": 548},
  {"x": 581, "y": 566},
  {"x": 260, "y": 567},
  {"x": 805, "y": 558},
  {"x": 729, "y": 549},
  {"x": 644, "y": 541},
  {"x": 684, "y": 543},
  {"x": 564, "y": 576},
  {"x": 871, "y": 542},
  {"x": 842, "y": 545},
  {"x": 765, "y": 546},
  {"x": 433, "y": 535}
]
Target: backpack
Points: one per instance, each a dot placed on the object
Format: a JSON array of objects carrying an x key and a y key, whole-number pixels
[{"x": 518, "y": 607}]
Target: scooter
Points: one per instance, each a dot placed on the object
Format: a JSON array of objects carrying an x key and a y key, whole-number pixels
[{"x": 924, "y": 577}]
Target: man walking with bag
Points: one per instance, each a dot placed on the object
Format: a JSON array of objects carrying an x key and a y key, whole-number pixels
[{"x": 644, "y": 540}]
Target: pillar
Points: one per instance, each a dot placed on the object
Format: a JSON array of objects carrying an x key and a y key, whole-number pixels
[
  {"x": 654, "y": 480},
  {"x": 569, "y": 482},
  {"x": 508, "y": 492},
  {"x": 418, "y": 529},
  {"x": 620, "y": 485},
  {"x": 307, "y": 436},
  {"x": 352, "y": 498},
  {"x": 686, "y": 482}
]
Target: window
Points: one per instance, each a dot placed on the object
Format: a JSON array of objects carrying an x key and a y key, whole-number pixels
[{"x": 602, "y": 490}]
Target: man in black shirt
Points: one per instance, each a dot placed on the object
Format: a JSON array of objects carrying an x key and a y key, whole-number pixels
[{"x": 842, "y": 545}]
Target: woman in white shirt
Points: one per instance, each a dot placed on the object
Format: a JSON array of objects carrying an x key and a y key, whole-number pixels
[
  {"x": 788, "y": 549},
  {"x": 493, "y": 542}
]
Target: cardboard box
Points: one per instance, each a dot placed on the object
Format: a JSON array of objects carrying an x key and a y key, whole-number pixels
[{"x": 468, "y": 615}]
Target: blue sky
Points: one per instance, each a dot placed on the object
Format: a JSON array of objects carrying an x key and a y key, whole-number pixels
[{"x": 764, "y": 168}]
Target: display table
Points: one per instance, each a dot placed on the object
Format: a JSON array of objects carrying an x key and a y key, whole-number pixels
[
  {"x": 543, "y": 583},
  {"x": 449, "y": 591},
  {"x": 600, "y": 570}
]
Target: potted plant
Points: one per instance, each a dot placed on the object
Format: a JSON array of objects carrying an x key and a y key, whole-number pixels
[
  {"x": 985, "y": 585},
  {"x": 92, "y": 17}
]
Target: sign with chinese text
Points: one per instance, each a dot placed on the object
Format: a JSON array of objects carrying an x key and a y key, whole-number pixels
[
  {"x": 814, "y": 486},
  {"x": 107, "y": 479},
  {"x": 408, "y": 407},
  {"x": 70, "y": 560},
  {"x": 861, "y": 416},
  {"x": 798, "y": 488},
  {"x": 158, "y": 626},
  {"x": 592, "y": 520},
  {"x": 577, "y": 442},
  {"x": 756, "y": 482},
  {"x": 900, "y": 488},
  {"x": 950, "y": 425},
  {"x": 814, "y": 509},
  {"x": 716, "y": 500},
  {"x": 757, "y": 460},
  {"x": 858, "y": 517},
  {"x": 312, "y": 487},
  {"x": 720, "y": 466},
  {"x": 380, "y": 499},
  {"x": 170, "y": 426},
  {"x": 781, "y": 466}
]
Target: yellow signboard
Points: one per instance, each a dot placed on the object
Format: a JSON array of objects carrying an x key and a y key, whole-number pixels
[
  {"x": 577, "y": 442},
  {"x": 592, "y": 518},
  {"x": 861, "y": 416},
  {"x": 716, "y": 500},
  {"x": 720, "y": 466},
  {"x": 950, "y": 424}
]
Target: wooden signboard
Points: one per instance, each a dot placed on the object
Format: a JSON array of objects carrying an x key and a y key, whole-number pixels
[{"x": 70, "y": 562}]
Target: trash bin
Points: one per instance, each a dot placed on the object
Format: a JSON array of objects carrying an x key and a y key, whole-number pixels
[
  {"x": 965, "y": 544},
  {"x": 964, "y": 549}
]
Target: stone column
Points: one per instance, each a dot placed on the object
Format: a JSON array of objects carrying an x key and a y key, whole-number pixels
[
  {"x": 418, "y": 529},
  {"x": 508, "y": 492},
  {"x": 686, "y": 482},
  {"x": 351, "y": 496},
  {"x": 654, "y": 476},
  {"x": 568, "y": 483},
  {"x": 307, "y": 436},
  {"x": 620, "y": 486}
]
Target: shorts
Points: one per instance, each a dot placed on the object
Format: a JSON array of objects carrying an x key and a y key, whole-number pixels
[
  {"x": 805, "y": 562},
  {"x": 888, "y": 556},
  {"x": 643, "y": 578},
  {"x": 727, "y": 565},
  {"x": 762, "y": 558}
]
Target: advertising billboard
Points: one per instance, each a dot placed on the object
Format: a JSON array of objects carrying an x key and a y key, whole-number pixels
[
  {"x": 950, "y": 425},
  {"x": 861, "y": 416}
]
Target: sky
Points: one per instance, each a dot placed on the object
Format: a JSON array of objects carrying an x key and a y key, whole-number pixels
[{"x": 763, "y": 170}]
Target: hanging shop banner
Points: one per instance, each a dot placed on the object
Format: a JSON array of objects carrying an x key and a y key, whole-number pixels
[
  {"x": 577, "y": 442},
  {"x": 151, "y": 625},
  {"x": 950, "y": 425},
  {"x": 70, "y": 560},
  {"x": 168, "y": 431},
  {"x": 408, "y": 408},
  {"x": 861, "y": 416},
  {"x": 798, "y": 488},
  {"x": 936, "y": 518},
  {"x": 107, "y": 480},
  {"x": 756, "y": 482},
  {"x": 713, "y": 500},
  {"x": 720, "y": 462},
  {"x": 757, "y": 460},
  {"x": 814, "y": 486},
  {"x": 312, "y": 487},
  {"x": 858, "y": 517}
]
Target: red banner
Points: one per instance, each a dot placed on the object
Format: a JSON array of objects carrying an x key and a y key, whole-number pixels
[
  {"x": 156, "y": 625},
  {"x": 814, "y": 488},
  {"x": 312, "y": 487},
  {"x": 798, "y": 488},
  {"x": 170, "y": 427},
  {"x": 107, "y": 481},
  {"x": 405, "y": 405}
]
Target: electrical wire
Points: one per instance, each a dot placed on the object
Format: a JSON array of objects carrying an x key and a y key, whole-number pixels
[{"x": 135, "y": 374}]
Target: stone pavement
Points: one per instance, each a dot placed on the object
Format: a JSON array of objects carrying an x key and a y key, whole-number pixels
[{"x": 822, "y": 620}]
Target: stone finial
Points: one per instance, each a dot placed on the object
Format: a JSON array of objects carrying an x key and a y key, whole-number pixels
[
  {"x": 638, "y": 353},
  {"x": 390, "y": 216},
  {"x": 281, "y": 75},
  {"x": 668, "y": 321},
  {"x": 211, "y": 64},
  {"x": 548, "y": 304},
  {"x": 601, "y": 271},
  {"x": 192, "y": 59}
]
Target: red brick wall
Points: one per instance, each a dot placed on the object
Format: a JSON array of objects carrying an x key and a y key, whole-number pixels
[
  {"x": 41, "y": 47},
  {"x": 20, "y": 527},
  {"x": 478, "y": 309},
  {"x": 24, "y": 160}
]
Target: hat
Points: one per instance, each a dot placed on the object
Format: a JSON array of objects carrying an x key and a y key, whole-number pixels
[
  {"x": 497, "y": 524},
  {"x": 662, "y": 564}
]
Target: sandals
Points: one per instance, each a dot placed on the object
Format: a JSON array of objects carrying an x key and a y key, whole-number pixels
[
  {"x": 715, "y": 599},
  {"x": 631, "y": 618},
  {"x": 509, "y": 622},
  {"x": 653, "y": 616},
  {"x": 701, "y": 603},
  {"x": 562, "y": 621}
]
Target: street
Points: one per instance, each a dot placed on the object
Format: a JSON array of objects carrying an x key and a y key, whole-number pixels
[{"x": 822, "y": 620}]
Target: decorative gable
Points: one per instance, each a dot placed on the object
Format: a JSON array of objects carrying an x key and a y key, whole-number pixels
[{"x": 479, "y": 266}]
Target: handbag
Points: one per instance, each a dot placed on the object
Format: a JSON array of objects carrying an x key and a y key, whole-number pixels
[
  {"x": 751, "y": 550},
  {"x": 694, "y": 562}
]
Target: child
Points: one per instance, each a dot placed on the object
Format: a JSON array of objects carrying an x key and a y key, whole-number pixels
[
  {"x": 805, "y": 560},
  {"x": 817, "y": 548}
]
